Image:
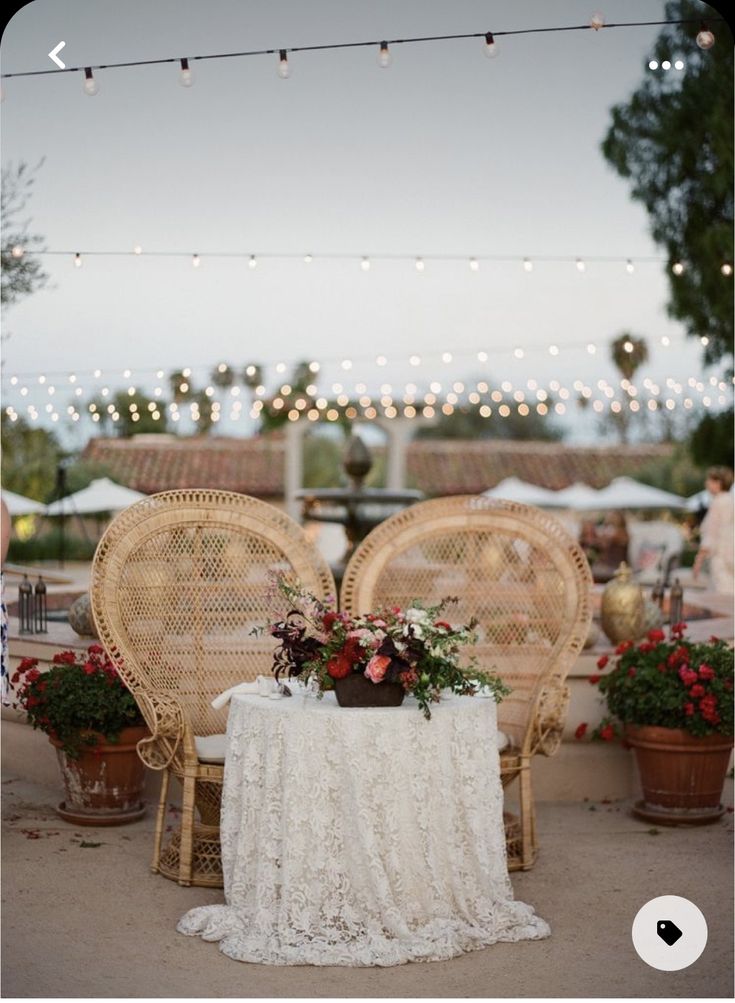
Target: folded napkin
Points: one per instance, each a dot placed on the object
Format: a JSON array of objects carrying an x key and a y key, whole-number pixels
[{"x": 224, "y": 698}]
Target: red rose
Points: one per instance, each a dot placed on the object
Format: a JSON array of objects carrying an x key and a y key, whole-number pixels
[
  {"x": 602, "y": 661},
  {"x": 338, "y": 667},
  {"x": 656, "y": 635},
  {"x": 623, "y": 647},
  {"x": 329, "y": 619},
  {"x": 607, "y": 733},
  {"x": 90, "y": 668},
  {"x": 26, "y": 664},
  {"x": 677, "y": 629},
  {"x": 64, "y": 658},
  {"x": 646, "y": 646},
  {"x": 688, "y": 709},
  {"x": 581, "y": 730},
  {"x": 443, "y": 624},
  {"x": 696, "y": 691},
  {"x": 706, "y": 671},
  {"x": 594, "y": 680}
]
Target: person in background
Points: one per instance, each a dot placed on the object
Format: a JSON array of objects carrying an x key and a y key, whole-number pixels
[
  {"x": 612, "y": 546},
  {"x": 718, "y": 533},
  {"x": 4, "y": 666}
]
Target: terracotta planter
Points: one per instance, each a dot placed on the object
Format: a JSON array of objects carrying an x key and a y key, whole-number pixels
[
  {"x": 105, "y": 785},
  {"x": 356, "y": 690},
  {"x": 681, "y": 775}
]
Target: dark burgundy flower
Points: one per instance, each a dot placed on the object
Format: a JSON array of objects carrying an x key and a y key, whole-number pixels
[{"x": 602, "y": 661}]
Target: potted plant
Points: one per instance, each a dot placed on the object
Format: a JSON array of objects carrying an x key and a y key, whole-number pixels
[
  {"x": 674, "y": 699},
  {"x": 94, "y": 724},
  {"x": 377, "y": 658}
]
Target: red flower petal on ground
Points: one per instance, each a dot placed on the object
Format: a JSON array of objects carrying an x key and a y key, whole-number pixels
[
  {"x": 602, "y": 661},
  {"x": 581, "y": 730}
]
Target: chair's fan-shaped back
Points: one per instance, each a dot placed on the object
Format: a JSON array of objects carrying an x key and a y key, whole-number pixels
[
  {"x": 181, "y": 583},
  {"x": 512, "y": 567}
]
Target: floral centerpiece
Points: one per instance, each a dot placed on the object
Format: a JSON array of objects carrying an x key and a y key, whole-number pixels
[
  {"x": 674, "y": 699},
  {"x": 79, "y": 701},
  {"x": 416, "y": 650}
]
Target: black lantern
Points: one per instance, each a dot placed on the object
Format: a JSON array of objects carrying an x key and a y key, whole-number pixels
[
  {"x": 41, "y": 608},
  {"x": 658, "y": 592},
  {"x": 676, "y": 603},
  {"x": 26, "y": 606}
]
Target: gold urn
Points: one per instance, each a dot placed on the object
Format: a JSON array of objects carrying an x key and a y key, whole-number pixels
[{"x": 623, "y": 607}]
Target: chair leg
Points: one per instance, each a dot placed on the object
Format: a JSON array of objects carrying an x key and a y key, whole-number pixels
[
  {"x": 186, "y": 846},
  {"x": 528, "y": 819},
  {"x": 160, "y": 821}
]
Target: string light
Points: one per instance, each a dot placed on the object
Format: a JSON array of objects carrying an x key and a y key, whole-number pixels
[
  {"x": 528, "y": 264},
  {"x": 186, "y": 76},
  {"x": 597, "y": 21},
  {"x": 365, "y": 264},
  {"x": 653, "y": 65},
  {"x": 284, "y": 70},
  {"x": 420, "y": 264},
  {"x": 474, "y": 265},
  {"x": 677, "y": 268},
  {"x": 17, "y": 252},
  {"x": 629, "y": 267},
  {"x": 580, "y": 265},
  {"x": 252, "y": 261},
  {"x": 490, "y": 48},
  {"x": 91, "y": 87},
  {"x": 195, "y": 261},
  {"x": 77, "y": 260},
  {"x": 726, "y": 269},
  {"x": 384, "y": 56},
  {"x": 705, "y": 38}
]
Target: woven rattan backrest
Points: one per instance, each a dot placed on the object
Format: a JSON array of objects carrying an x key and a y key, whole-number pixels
[
  {"x": 179, "y": 581},
  {"x": 511, "y": 566}
]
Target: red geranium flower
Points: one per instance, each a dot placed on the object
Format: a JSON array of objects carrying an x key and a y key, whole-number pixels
[
  {"x": 581, "y": 730},
  {"x": 602, "y": 661},
  {"x": 706, "y": 671},
  {"x": 632, "y": 671},
  {"x": 656, "y": 635},
  {"x": 623, "y": 647},
  {"x": 607, "y": 733},
  {"x": 696, "y": 691},
  {"x": 688, "y": 709},
  {"x": 594, "y": 679}
]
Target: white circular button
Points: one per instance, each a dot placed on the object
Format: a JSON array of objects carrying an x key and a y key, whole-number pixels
[{"x": 669, "y": 933}]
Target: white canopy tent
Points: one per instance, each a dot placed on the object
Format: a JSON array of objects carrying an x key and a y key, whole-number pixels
[
  {"x": 514, "y": 489},
  {"x": 20, "y": 505},
  {"x": 102, "y": 495},
  {"x": 624, "y": 492},
  {"x": 702, "y": 499},
  {"x": 577, "y": 496}
]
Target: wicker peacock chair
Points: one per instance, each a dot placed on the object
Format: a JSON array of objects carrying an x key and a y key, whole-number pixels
[
  {"x": 179, "y": 582},
  {"x": 515, "y": 569}
]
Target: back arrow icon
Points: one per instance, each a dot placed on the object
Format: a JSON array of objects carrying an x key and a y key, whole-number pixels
[{"x": 53, "y": 55}]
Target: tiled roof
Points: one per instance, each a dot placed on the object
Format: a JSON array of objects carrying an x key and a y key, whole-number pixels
[
  {"x": 161, "y": 463},
  {"x": 451, "y": 466},
  {"x": 435, "y": 466}
]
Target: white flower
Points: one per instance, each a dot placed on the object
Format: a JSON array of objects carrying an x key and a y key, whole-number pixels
[{"x": 416, "y": 615}]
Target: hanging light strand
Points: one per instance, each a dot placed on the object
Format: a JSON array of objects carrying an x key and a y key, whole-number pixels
[{"x": 282, "y": 51}]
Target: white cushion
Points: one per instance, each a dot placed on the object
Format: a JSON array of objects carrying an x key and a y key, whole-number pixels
[
  {"x": 503, "y": 741},
  {"x": 211, "y": 748}
]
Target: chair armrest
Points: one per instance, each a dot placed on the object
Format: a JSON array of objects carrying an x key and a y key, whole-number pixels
[
  {"x": 165, "y": 719},
  {"x": 551, "y": 714}
]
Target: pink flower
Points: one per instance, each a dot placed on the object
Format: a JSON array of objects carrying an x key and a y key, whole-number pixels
[
  {"x": 377, "y": 667},
  {"x": 706, "y": 671}
]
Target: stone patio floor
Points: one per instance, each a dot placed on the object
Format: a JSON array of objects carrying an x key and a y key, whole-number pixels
[{"x": 84, "y": 917}]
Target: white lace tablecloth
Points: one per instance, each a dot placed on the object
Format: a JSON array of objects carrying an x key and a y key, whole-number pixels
[{"x": 362, "y": 836}]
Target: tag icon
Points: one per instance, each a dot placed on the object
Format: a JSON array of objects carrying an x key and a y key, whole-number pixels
[{"x": 668, "y": 931}]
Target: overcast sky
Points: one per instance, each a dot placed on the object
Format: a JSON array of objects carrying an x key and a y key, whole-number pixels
[{"x": 444, "y": 153}]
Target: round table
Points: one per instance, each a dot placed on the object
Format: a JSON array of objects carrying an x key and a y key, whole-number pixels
[{"x": 365, "y": 836}]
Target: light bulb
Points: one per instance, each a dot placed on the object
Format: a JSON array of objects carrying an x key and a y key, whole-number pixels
[
  {"x": 308, "y": 259},
  {"x": 705, "y": 38},
  {"x": 629, "y": 267},
  {"x": 252, "y": 261},
  {"x": 384, "y": 56},
  {"x": 195, "y": 261},
  {"x": 677, "y": 268},
  {"x": 17, "y": 252},
  {"x": 679, "y": 64},
  {"x": 580, "y": 265},
  {"x": 490, "y": 48},
  {"x": 137, "y": 249},
  {"x": 653, "y": 65},
  {"x": 365, "y": 264},
  {"x": 284, "y": 70},
  {"x": 597, "y": 21},
  {"x": 474, "y": 265},
  {"x": 77, "y": 260},
  {"x": 628, "y": 346},
  {"x": 420, "y": 265},
  {"x": 726, "y": 269},
  {"x": 666, "y": 65},
  {"x": 528, "y": 264},
  {"x": 91, "y": 86},
  {"x": 186, "y": 74}
]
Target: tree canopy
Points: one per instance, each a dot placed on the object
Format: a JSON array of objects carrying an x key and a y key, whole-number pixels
[
  {"x": 21, "y": 273},
  {"x": 673, "y": 139}
]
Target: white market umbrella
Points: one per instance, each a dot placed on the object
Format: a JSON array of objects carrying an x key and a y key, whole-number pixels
[
  {"x": 578, "y": 496},
  {"x": 624, "y": 492},
  {"x": 20, "y": 505},
  {"x": 702, "y": 499},
  {"x": 102, "y": 495},
  {"x": 514, "y": 489}
]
